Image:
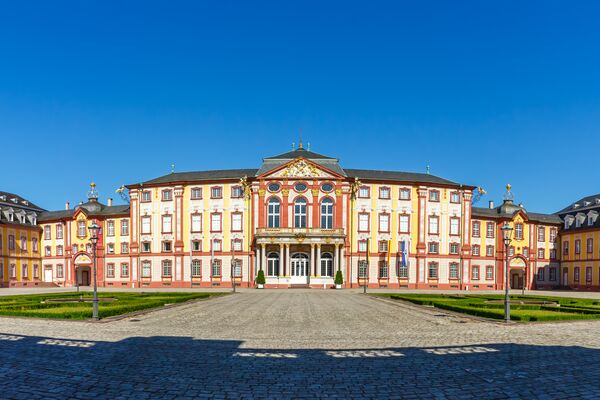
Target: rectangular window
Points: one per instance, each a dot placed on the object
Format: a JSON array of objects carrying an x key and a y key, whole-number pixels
[
  {"x": 454, "y": 197},
  {"x": 146, "y": 196},
  {"x": 362, "y": 246},
  {"x": 577, "y": 246},
  {"x": 476, "y": 229},
  {"x": 540, "y": 274},
  {"x": 23, "y": 243},
  {"x": 124, "y": 270},
  {"x": 59, "y": 231},
  {"x": 590, "y": 245},
  {"x": 110, "y": 228},
  {"x": 553, "y": 233},
  {"x": 434, "y": 195},
  {"x": 237, "y": 268},
  {"x": 511, "y": 251},
  {"x": 565, "y": 248},
  {"x": 47, "y": 233},
  {"x": 36, "y": 271},
  {"x": 384, "y": 222},
  {"x": 124, "y": 227},
  {"x": 363, "y": 269},
  {"x": 475, "y": 273},
  {"x": 383, "y": 246},
  {"x": 167, "y": 195},
  {"x": 588, "y": 275},
  {"x": 146, "y": 225},
  {"x": 145, "y": 247},
  {"x": 216, "y": 192},
  {"x": 216, "y": 245},
  {"x": 404, "y": 224},
  {"x": 519, "y": 231},
  {"x": 552, "y": 273},
  {"x": 60, "y": 271},
  {"x": 11, "y": 242},
  {"x": 433, "y": 270},
  {"x": 404, "y": 194},
  {"x": 576, "y": 274},
  {"x": 216, "y": 268},
  {"x": 47, "y": 251},
  {"x": 167, "y": 224},
  {"x": 489, "y": 251},
  {"x": 454, "y": 226},
  {"x": 196, "y": 245},
  {"x": 81, "y": 229},
  {"x": 489, "y": 272},
  {"x": 541, "y": 234},
  {"x": 384, "y": 193},
  {"x": 490, "y": 228},
  {"x": 363, "y": 222},
  {"x": 59, "y": 250},
  {"x": 25, "y": 274},
  {"x": 476, "y": 250},
  {"x": 363, "y": 192},
  {"x": 74, "y": 249},
  {"x": 110, "y": 248},
  {"x": 166, "y": 268},
  {"x": 541, "y": 253},
  {"x": 110, "y": 270},
  {"x": 383, "y": 269},
  {"x": 434, "y": 248},
  {"x": 402, "y": 269},
  {"x": 454, "y": 248},
  {"x": 453, "y": 273},
  {"x": 124, "y": 248},
  {"x": 196, "y": 222},
  {"x": 236, "y": 192},
  {"x": 146, "y": 269},
  {"x": 236, "y": 222},
  {"x": 236, "y": 244},
  {"x": 196, "y": 268},
  {"x": 526, "y": 251},
  {"x": 215, "y": 222},
  {"x": 166, "y": 247},
  {"x": 434, "y": 225},
  {"x": 196, "y": 193}
]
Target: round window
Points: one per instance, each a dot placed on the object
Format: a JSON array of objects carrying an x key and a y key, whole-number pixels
[
  {"x": 300, "y": 187},
  {"x": 327, "y": 187},
  {"x": 273, "y": 187}
]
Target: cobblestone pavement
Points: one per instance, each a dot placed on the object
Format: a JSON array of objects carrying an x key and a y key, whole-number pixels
[{"x": 298, "y": 344}]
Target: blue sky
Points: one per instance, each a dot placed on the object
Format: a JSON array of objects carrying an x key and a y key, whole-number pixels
[{"x": 485, "y": 93}]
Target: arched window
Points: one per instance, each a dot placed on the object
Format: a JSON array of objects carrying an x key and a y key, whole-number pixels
[
  {"x": 327, "y": 213},
  {"x": 273, "y": 264},
  {"x": 326, "y": 264},
  {"x": 273, "y": 213},
  {"x": 300, "y": 213}
]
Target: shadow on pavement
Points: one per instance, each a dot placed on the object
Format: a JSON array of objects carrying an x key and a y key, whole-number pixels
[{"x": 181, "y": 367}]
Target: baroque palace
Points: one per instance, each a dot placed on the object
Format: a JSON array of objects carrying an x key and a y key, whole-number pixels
[{"x": 300, "y": 218}]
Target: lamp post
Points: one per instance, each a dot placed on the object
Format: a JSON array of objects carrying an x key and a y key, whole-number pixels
[
  {"x": 232, "y": 272},
  {"x": 94, "y": 229},
  {"x": 506, "y": 232},
  {"x": 366, "y": 278}
]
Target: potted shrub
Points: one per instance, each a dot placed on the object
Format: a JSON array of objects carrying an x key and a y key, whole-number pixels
[
  {"x": 260, "y": 279},
  {"x": 339, "y": 280}
]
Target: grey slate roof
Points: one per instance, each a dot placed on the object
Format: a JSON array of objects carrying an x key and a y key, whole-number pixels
[
  {"x": 101, "y": 211},
  {"x": 6, "y": 199},
  {"x": 509, "y": 210},
  {"x": 300, "y": 152},
  {"x": 581, "y": 202},
  {"x": 200, "y": 176},
  {"x": 397, "y": 176},
  {"x": 330, "y": 163}
]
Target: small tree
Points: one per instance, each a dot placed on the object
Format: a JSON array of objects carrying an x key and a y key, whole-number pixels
[
  {"x": 260, "y": 278},
  {"x": 339, "y": 279}
]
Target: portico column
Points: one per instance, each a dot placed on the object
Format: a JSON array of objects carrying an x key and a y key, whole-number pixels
[
  {"x": 263, "y": 257},
  {"x": 312, "y": 259},
  {"x": 287, "y": 260},
  {"x": 280, "y": 272},
  {"x": 337, "y": 257},
  {"x": 318, "y": 266},
  {"x": 257, "y": 260}
]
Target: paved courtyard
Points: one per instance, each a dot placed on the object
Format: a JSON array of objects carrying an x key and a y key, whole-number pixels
[{"x": 298, "y": 344}]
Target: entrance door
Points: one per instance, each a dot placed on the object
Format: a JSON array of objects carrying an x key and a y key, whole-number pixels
[
  {"x": 517, "y": 280},
  {"x": 299, "y": 268},
  {"x": 48, "y": 275},
  {"x": 85, "y": 278}
]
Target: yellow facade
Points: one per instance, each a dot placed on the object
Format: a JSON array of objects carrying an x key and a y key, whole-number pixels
[{"x": 20, "y": 265}]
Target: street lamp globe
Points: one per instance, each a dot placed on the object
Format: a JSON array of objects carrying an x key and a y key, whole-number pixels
[
  {"x": 507, "y": 233},
  {"x": 94, "y": 229}
]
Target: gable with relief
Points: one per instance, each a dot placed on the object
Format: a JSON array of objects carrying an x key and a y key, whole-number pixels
[{"x": 301, "y": 168}]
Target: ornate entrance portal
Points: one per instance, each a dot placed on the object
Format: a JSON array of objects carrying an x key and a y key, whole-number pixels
[{"x": 299, "y": 269}]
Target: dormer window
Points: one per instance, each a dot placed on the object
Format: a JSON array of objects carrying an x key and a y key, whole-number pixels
[
  {"x": 575, "y": 205},
  {"x": 14, "y": 200},
  {"x": 11, "y": 217}
]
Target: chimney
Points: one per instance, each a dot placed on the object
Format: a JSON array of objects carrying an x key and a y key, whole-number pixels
[
  {"x": 491, "y": 204},
  {"x": 67, "y": 205},
  {"x": 109, "y": 202}
]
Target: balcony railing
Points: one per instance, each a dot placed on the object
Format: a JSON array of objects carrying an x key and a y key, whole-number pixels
[{"x": 299, "y": 231}]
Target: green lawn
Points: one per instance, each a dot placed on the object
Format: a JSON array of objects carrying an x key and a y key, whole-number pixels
[
  {"x": 484, "y": 306},
  {"x": 38, "y": 306}
]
